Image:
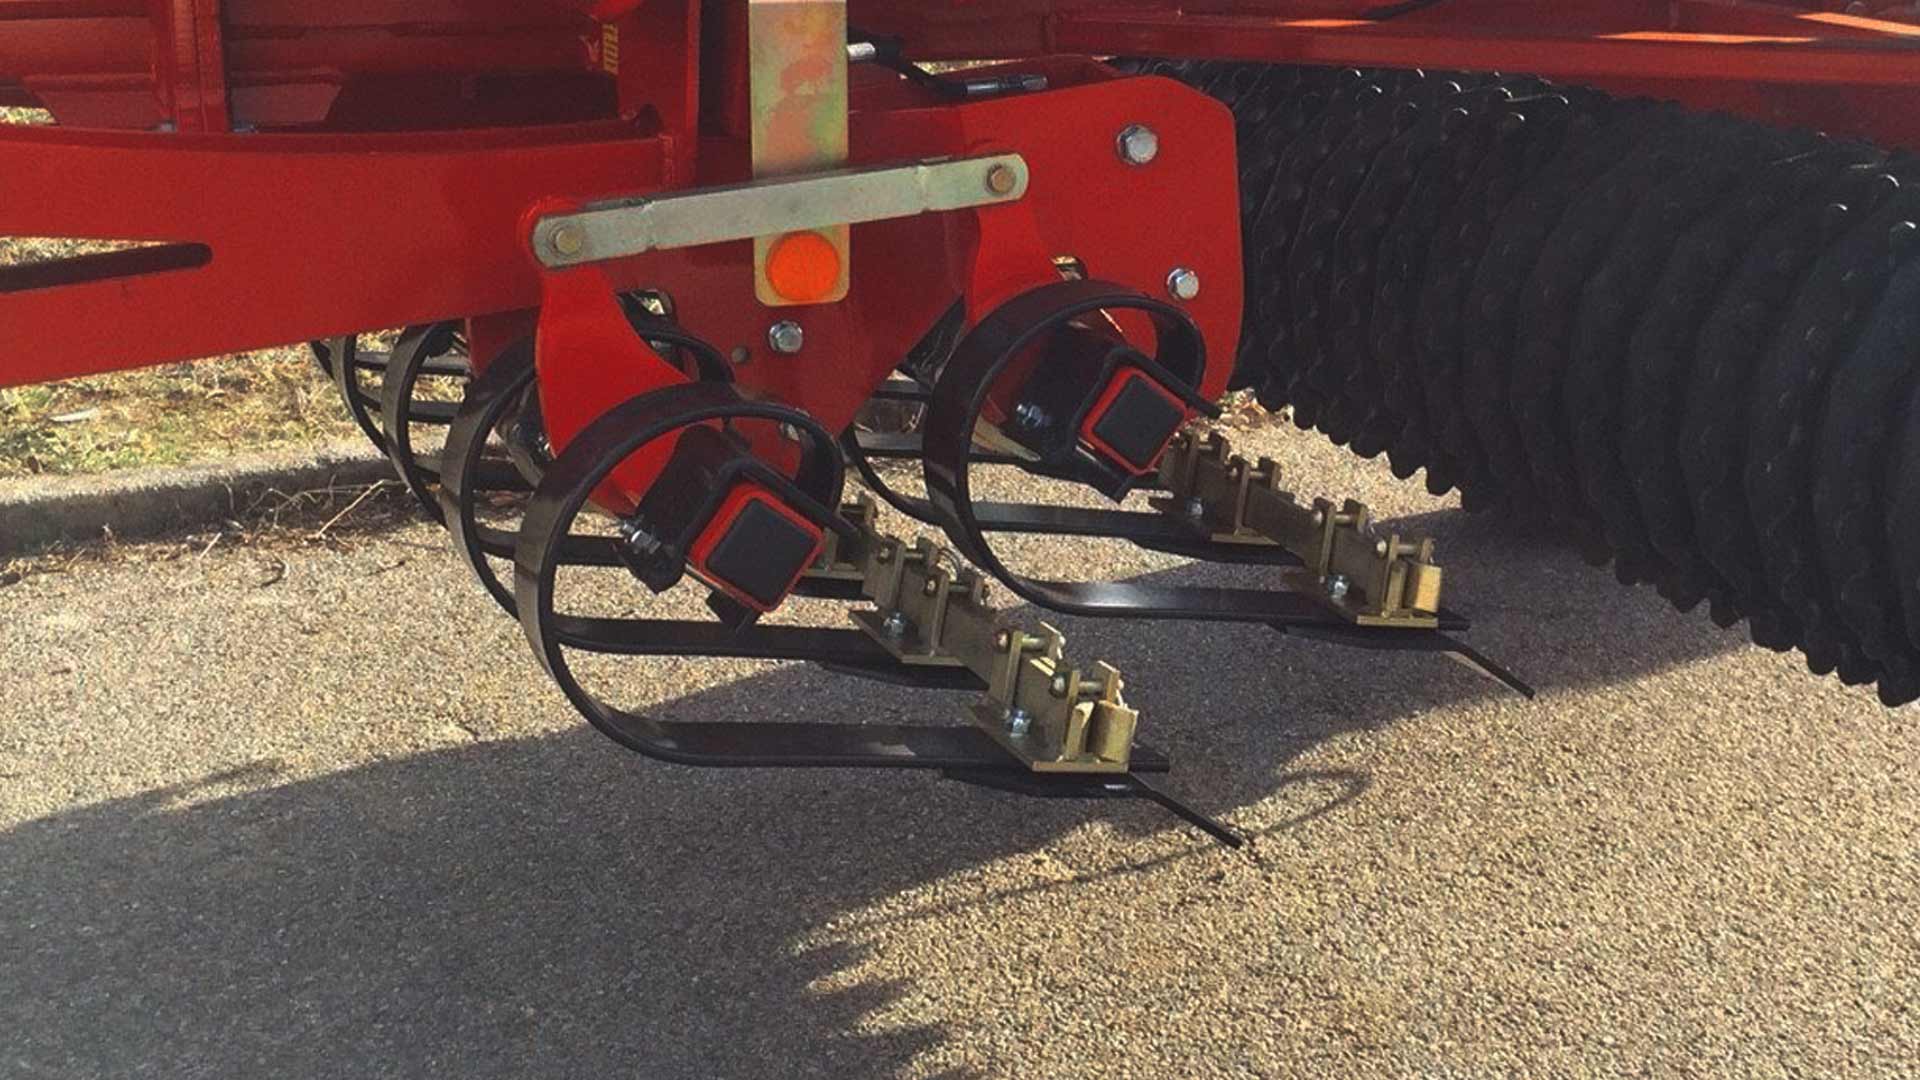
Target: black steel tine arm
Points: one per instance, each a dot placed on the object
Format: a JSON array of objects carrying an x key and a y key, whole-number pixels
[
  {"x": 1359, "y": 637},
  {"x": 1213, "y": 827}
]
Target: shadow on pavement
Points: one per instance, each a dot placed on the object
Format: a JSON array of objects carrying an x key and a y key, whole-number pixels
[{"x": 554, "y": 906}]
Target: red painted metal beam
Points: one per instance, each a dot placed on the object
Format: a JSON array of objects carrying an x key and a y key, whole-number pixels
[
  {"x": 196, "y": 64},
  {"x": 1796, "y": 64},
  {"x": 268, "y": 239},
  {"x": 308, "y": 236},
  {"x": 1570, "y": 50}
]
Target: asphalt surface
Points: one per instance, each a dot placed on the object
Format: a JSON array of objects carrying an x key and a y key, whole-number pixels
[{"x": 318, "y": 813}]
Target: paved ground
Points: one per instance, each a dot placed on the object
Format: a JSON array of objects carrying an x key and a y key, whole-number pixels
[{"x": 332, "y": 822}]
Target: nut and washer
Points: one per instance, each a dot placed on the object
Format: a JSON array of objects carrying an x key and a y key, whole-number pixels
[
  {"x": 1137, "y": 144},
  {"x": 786, "y": 336},
  {"x": 1019, "y": 721},
  {"x": 1183, "y": 283}
]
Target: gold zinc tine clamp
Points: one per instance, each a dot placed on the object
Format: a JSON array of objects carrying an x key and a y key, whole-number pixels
[
  {"x": 929, "y": 609},
  {"x": 1369, "y": 578}
]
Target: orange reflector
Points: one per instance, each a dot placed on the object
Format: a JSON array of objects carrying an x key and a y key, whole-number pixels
[{"x": 803, "y": 267}]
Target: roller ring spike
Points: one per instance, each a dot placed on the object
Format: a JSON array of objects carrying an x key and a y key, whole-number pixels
[
  {"x": 1581, "y": 425},
  {"x": 1787, "y": 397},
  {"x": 1660, "y": 352}
]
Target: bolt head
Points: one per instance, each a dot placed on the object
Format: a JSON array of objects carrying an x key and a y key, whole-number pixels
[
  {"x": 1001, "y": 180},
  {"x": 568, "y": 240},
  {"x": 1183, "y": 283},
  {"x": 894, "y": 625},
  {"x": 786, "y": 336},
  {"x": 1138, "y": 144},
  {"x": 1019, "y": 722},
  {"x": 1029, "y": 416},
  {"x": 1337, "y": 586}
]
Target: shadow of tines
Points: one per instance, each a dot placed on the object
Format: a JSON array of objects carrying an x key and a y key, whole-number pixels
[{"x": 555, "y": 906}]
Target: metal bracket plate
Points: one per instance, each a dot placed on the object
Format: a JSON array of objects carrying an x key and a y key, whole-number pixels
[
  {"x": 1371, "y": 579},
  {"x": 625, "y": 227},
  {"x": 798, "y": 51}
]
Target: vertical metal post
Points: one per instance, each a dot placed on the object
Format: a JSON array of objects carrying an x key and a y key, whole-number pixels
[
  {"x": 190, "y": 63},
  {"x": 798, "y": 51}
]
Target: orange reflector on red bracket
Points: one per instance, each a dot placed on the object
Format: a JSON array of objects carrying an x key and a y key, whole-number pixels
[{"x": 806, "y": 268}]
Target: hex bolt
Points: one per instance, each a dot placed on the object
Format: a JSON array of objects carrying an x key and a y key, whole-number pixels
[
  {"x": 1058, "y": 687},
  {"x": 1001, "y": 180},
  {"x": 894, "y": 625},
  {"x": 1183, "y": 283},
  {"x": 568, "y": 240},
  {"x": 786, "y": 336},
  {"x": 1196, "y": 509},
  {"x": 635, "y": 537},
  {"x": 931, "y": 588},
  {"x": 1030, "y": 416},
  {"x": 1019, "y": 721},
  {"x": 1337, "y": 586},
  {"x": 1138, "y": 144}
]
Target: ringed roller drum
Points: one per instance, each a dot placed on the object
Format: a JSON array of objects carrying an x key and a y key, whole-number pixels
[{"x": 1687, "y": 335}]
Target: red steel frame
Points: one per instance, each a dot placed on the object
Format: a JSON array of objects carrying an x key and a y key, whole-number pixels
[
  {"x": 208, "y": 65},
  {"x": 307, "y": 236},
  {"x": 251, "y": 140}
]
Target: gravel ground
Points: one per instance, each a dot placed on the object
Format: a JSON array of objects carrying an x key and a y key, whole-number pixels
[{"x": 317, "y": 813}]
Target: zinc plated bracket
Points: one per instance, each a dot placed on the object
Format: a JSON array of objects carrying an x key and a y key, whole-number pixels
[
  {"x": 797, "y": 57},
  {"x": 929, "y": 610},
  {"x": 1370, "y": 578},
  {"x": 619, "y": 228}
]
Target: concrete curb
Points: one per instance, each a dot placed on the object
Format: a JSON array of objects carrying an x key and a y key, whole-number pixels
[{"x": 43, "y": 511}]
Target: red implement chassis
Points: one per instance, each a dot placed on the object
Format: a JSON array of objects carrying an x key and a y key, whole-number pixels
[
  {"x": 679, "y": 248},
  {"x": 429, "y": 130},
  {"x": 358, "y": 65}
]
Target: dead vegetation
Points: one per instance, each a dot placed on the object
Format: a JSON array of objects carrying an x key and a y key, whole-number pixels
[{"x": 338, "y": 518}]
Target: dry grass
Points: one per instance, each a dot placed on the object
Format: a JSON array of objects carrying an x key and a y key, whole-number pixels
[
  {"x": 338, "y": 518},
  {"x": 170, "y": 415}
]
